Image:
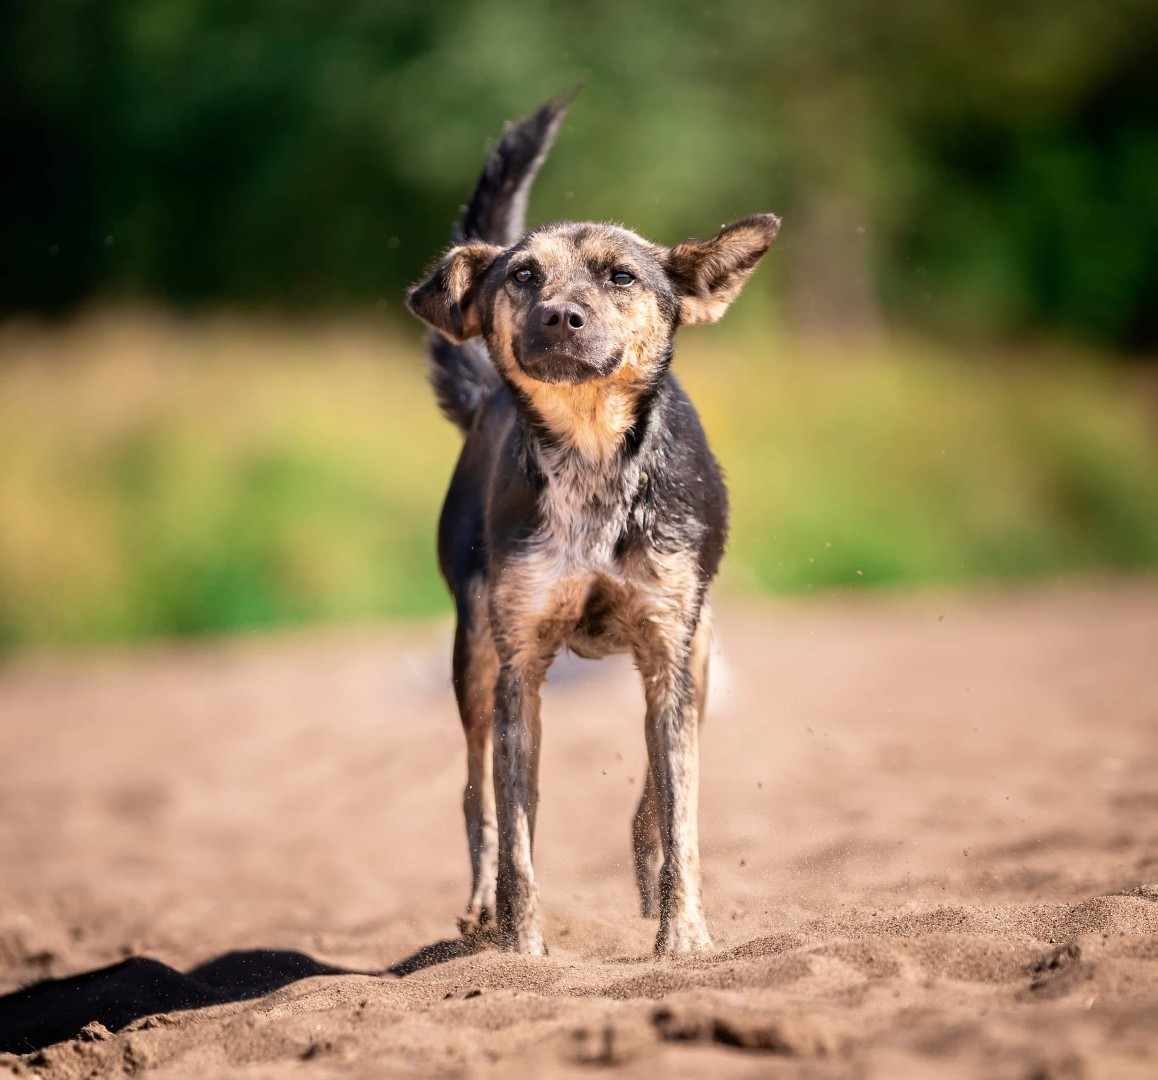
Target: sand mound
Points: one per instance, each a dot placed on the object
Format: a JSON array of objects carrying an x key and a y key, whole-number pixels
[{"x": 930, "y": 848}]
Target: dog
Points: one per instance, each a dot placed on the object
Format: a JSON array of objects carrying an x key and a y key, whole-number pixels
[{"x": 586, "y": 512}]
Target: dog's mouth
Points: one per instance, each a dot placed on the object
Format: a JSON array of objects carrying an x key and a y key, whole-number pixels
[{"x": 564, "y": 365}]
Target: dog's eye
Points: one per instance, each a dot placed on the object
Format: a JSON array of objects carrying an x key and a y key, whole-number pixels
[
  {"x": 622, "y": 278},
  {"x": 522, "y": 275}
]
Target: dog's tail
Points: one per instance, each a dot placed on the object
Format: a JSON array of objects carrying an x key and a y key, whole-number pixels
[{"x": 463, "y": 376}]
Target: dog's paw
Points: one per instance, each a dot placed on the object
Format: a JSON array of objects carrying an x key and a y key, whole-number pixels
[
  {"x": 478, "y": 925},
  {"x": 523, "y": 936},
  {"x": 525, "y": 944},
  {"x": 679, "y": 937}
]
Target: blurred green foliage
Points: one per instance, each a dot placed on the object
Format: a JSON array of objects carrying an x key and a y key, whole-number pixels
[
  {"x": 972, "y": 173},
  {"x": 163, "y": 477},
  {"x": 973, "y": 167}
]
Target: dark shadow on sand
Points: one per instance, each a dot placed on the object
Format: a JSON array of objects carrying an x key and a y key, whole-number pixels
[
  {"x": 429, "y": 955},
  {"x": 57, "y": 1009},
  {"x": 54, "y": 1010}
]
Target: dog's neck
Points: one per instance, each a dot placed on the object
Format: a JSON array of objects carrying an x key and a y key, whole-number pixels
[
  {"x": 588, "y": 421},
  {"x": 593, "y": 422},
  {"x": 591, "y": 493}
]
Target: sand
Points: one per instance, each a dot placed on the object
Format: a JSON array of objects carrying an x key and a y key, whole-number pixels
[{"x": 929, "y": 827}]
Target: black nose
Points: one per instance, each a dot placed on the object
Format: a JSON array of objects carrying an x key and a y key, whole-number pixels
[{"x": 561, "y": 320}]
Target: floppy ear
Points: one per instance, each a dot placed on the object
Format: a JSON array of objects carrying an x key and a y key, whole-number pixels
[
  {"x": 447, "y": 298},
  {"x": 709, "y": 274}
]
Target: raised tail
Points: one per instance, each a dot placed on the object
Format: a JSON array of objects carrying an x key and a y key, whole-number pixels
[{"x": 463, "y": 375}]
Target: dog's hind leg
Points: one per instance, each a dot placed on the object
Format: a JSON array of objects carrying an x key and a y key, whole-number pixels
[
  {"x": 645, "y": 844},
  {"x": 645, "y": 834},
  {"x": 475, "y": 671}
]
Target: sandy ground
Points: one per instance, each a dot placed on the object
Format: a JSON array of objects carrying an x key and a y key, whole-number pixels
[{"x": 930, "y": 833}]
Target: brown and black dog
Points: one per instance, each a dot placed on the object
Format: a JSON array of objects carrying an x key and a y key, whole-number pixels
[{"x": 586, "y": 511}]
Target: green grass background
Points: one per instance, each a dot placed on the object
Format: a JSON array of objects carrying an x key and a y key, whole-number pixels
[{"x": 164, "y": 477}]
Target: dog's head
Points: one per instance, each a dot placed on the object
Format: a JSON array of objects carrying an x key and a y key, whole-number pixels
[
  {"x": 580, "y": 316},
  {"x": 570, "y": 303}
]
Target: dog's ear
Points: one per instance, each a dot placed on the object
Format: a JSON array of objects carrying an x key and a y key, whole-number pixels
[
  {"x": 709, "y": 274},
  {"x": 447, "y": 298}
]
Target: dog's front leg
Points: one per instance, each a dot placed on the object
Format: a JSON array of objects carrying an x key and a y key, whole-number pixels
[
  {"x": 516, "y": 772},
  {"x": 645, "y": 831},
  {"x": 673, "y": 756},
  {"x": 532, "y": 613}
]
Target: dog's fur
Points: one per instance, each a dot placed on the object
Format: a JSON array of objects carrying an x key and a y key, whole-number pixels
[{"x": 586, "y": 511}]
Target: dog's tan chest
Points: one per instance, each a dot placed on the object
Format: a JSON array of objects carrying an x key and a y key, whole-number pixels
[{"x": 569, "y": 586}]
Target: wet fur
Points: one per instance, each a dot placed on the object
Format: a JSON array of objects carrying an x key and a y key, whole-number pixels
[{"x": 586, "y": 512}]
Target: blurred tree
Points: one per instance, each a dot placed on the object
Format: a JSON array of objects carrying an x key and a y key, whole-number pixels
[{"x": 965, "y": 165}]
